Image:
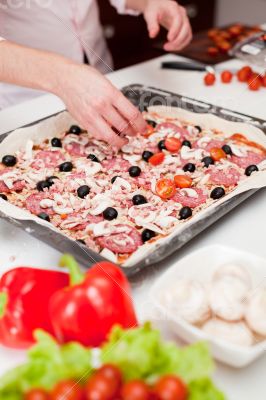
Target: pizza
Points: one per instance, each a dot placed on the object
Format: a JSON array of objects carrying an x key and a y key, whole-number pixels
[{"x": 117, "y": 202}]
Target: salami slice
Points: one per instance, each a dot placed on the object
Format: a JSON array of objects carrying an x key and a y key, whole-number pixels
[
  {"x": 124, "y": 242},
  {"x": 171, "y": 128},
  {"x": 116, "y": 164},
  {"x": 33, "y": 204},
  {"x": 228, "y": 177},
  {"x": 17, "y": 185},
  {"x": 47, "y": 159},
  {"x": 188, "y": 201},
  {"x": 251, "y": 158},
  {"x": 75, "y": 149}
]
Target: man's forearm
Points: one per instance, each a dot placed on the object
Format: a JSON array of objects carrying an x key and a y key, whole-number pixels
[{"x": 30, "y": 68}]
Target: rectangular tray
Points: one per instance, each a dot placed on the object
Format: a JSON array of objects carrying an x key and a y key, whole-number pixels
[{"x": 143, "y": 96}]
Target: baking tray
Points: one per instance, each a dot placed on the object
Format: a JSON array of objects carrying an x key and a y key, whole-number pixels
[{"x": 143, "y": 96}]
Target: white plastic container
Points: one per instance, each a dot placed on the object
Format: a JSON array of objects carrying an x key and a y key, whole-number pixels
[{"x": 201, "y": 266}]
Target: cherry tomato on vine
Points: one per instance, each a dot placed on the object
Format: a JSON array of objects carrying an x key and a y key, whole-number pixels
[
  {"x": 217, "y": 154},
  {"x": 135, "y": 390},
  {"x": 172, "y": 144},
  {"x": 112, "y": 372},
  {"x": 226, "y": 76},
  {"x": 67, "y": 390},
  {"x": 156, "y": 159},
  {"x": 100, "y": 387},
  {"x": 209, "y": 79},
  {"x": 165, "y": 188},
  {"x": 37, "y": 394},
  {"x": 170, "y": 387}
]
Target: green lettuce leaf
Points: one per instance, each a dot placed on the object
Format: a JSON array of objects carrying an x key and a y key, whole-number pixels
[
  {"x": 141, "y": 353},
  {"x": 204, "y": 389},
  {"x": 48, "y": 363}
]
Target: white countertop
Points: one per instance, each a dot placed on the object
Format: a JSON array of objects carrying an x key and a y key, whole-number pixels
[{"x": 243, "y": 228}]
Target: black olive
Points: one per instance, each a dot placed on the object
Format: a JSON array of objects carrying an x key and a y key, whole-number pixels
[
  {"x": 93, "y": 158},
  {"x": 151, "y": 123},
  {"x": 161, "y": 145},
  {"x": 66, "y": 166},
  {"x": 114, "y": 178},
  {"x": 55, "y": 142},
  {"x": 83, "y": 191},
  {"x": 51, "y": 179},
  {"x": 146, "y": 155},
  {"x": 217, "y": 193},
  {"x": 250, "y": 169},
  {"x": 110, "y": 213},
  {"x": 81, "y": 241},
  {"x": 138, "y": 199},
  {"x": 3, "y": 196},
  {"x": 9, "y": 161},
  {"x": 198, "y": 128},
  {"x": 185, "y": 213},
  {"x": 147, "y": 234},
  {"x": 227, "y": 149},
  {"x": 189, "y": 167},
  {"x": 75, "y": 130},
  {"x": 207, "y": 161},
  {"x": 42, "y": 185},
  {"x": 186, "y": 143},
  {"x": 134, "y": 171},
  {"x": 44, "y": 216}
]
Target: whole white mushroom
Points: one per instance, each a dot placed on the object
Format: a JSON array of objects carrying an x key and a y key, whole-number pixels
[
  {"x": 235, "y": 271},
  {"x": 233, "y": 332},
  {"x": 256, "y": 311}
]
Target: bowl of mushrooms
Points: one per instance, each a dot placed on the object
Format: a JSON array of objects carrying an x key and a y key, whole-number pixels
[{"x": 217, "y": 294}]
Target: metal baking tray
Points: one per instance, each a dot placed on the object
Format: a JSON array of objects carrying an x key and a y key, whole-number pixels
[{"x": 143, "y": 96}]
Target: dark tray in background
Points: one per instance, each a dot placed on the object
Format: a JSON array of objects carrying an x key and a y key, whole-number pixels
[{"x": 143, "y": 96}]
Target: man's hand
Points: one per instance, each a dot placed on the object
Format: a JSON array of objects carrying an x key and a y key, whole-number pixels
[
  {"x": 98, "y": 106},
  {"x": 168, "y": 14}
]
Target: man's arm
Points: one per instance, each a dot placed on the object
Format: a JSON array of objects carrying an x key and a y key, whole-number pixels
[{"x": 91, "y": 98}]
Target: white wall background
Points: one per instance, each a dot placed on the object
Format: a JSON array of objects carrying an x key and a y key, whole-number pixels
[{"x": 245, "y": 11}]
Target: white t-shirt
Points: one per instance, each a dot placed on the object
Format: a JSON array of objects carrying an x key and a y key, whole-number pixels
[{"x": 67, "y": 27}]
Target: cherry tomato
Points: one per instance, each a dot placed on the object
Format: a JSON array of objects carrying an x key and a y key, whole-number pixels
[
  {"x": 172, "y": 144},
  {"x": 254, "y": 83},
  {"x": 213, "y": 51},
  {"x": 226, "y": 76},
  {"x": 209, "y": 79},
  {"x": 149, "y": 131},
  {"x": 165, "y": 188},
  {"x": 235, "y": 30},
  {"x": 224, "y": 46},
  {"x": 244, "y": 74},
  {"x": 157, "y": 158},
  {"x": 100, "y": 387},
  {"x": 238, "y": 137},
  {"x": 217, "y": 154},
  {"x": 135, "y": 390},
  {"x": 183, "y": 181},
  {"x": 37, "y": 394},
  {"x": 212, "y": 33},
  {"x": 170, "y": 387},
  {"x": 111, "y": 372},
  {"x": 67, "y": 390}
]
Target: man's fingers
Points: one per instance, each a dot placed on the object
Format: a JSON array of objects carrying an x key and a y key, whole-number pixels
[
  {"x": 152, "y": 23},
  {"x": 112, "y": 116},
  {"x": 183, "y": 38},
  {"x": 131, "y": 114},
  {"x": 104, "y": 132}
]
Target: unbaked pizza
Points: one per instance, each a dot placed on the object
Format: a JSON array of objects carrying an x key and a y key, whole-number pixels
[{"x": 114, "y": 203}]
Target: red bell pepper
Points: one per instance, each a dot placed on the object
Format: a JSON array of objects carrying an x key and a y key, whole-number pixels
[
  {"x": 87, "y": 309},
  {"x": 24, "y": 298}
]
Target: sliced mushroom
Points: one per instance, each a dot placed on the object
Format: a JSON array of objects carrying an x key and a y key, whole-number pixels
[
  {"x": 256, "y": 311},
  {"x": 234, "y": 332}
]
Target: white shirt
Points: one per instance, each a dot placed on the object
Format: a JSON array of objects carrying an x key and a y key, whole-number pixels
[{"x": 67, "y": 27}]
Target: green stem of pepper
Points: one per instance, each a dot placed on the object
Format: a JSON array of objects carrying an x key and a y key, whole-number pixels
[
  {"x": 69, "y": 262},
  {"x": 3, "y": 303}
]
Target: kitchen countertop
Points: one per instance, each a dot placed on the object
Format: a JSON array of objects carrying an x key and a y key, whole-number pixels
[{"x": 243, "y": 228}]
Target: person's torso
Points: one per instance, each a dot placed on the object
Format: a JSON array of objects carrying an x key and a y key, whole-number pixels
[{"x": 67, "y": 27}]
